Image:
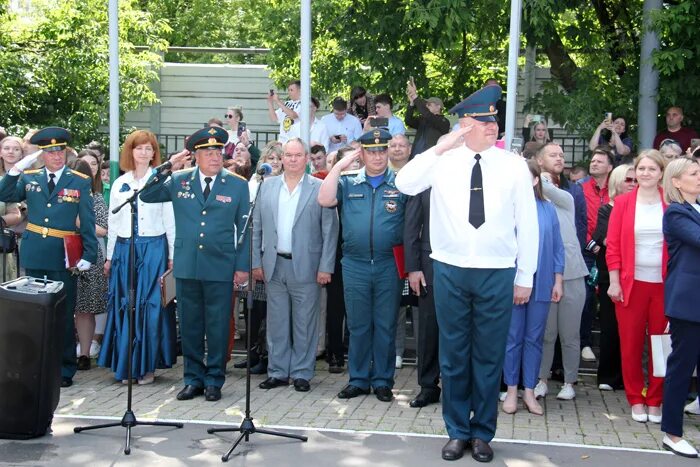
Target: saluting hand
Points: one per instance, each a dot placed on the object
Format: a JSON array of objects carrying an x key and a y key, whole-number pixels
[
  {"x": 347, "y": 161},
  {"x": 452, "y": 140}
]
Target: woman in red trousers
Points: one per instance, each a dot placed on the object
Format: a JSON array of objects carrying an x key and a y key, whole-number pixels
[{"x": 637, "y": 258}]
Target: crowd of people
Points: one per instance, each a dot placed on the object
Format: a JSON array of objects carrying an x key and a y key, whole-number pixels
[{"x": 343, "y": 239}]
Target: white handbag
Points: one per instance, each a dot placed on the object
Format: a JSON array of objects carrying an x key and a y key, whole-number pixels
[{"x": 660, "y": 350}]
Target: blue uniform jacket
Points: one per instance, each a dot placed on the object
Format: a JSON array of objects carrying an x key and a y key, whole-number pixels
[
  {"x": 206, "y": 232},
  {"x": 372, "y": 218},
  {"x": 71, "y": 199},
  {"x": 682, "y": 232},
  {"x": 550, "y": 259}
]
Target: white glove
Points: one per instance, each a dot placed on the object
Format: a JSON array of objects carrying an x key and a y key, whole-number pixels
[
  {"x": 83, "y": 265},
  {"x": 24, "y": 163}
]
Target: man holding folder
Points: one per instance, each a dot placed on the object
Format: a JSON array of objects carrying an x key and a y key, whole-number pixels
[{"x": 55, "y": 196}]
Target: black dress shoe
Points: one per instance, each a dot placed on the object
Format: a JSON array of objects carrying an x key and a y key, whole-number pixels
[
  {"x": 66, "y": 382},
  {"x": 454, "y": 449},
  {"x": 335, "y": 365},
  {"x": 260, "y": 368},
  {"x": 351, "y": 391},
  {"x": 425, "y": 397},
  {"x": 189, "y": 392},
  {"x": 481, "y": 451},
  {"x": 212, "y": 393},
  {"x": 243, "y": 363},
  {"x": 301, "y": 385},
  {"x": 383, "y": 393},
  {"x": 83, "y": 363},
  {"x": 271, "y": 382}
]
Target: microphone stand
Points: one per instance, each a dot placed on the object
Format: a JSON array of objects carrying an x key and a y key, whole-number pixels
[
  {"x": 247, "y": 427},
  {"x": 129, "y": 421}
]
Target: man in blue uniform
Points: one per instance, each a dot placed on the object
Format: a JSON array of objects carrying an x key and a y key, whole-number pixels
[
  {"x": 372, "y": 215},
  {"x": 55, "y": 196},
  {"x": 484, "y": 249},
  {"x": 211, "y": 206}
]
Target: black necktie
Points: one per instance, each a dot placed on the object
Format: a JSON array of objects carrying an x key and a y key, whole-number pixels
[
  {"x": 207, "y": 189},
  {"x": 51, "y": 184},
  {"x": 476, "y": 197}
]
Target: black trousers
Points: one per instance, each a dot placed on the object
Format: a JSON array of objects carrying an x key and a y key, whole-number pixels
[
  {"x": 610, "y": 365},
  {"x": 427, "y": 346},
  {"x": 335, "y": 317}
]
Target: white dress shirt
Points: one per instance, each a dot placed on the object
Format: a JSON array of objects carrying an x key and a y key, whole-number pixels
[
  {"x": 57, "y": 175},
  {"x": 510, "y": 232},
  {"x": 204, "y": 183},
  {"x": 154, "y": 218},
  {"x": 317, "y": 133},
  {"x": 349, "y": 126},
  {"x": 286, "y": 211}
]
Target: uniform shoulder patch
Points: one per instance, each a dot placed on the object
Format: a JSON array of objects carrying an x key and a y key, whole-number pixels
[
  {"x": 80, "y": 174},
  {"x": 32, "y": 171},
  {"x": 234, "y": 174}
]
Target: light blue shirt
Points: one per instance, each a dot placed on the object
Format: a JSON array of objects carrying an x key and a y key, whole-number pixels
[
  {"x": 349, "y": 126},
  {"x": 396, "y": 126},
  {"x": 287, "y": 209}
]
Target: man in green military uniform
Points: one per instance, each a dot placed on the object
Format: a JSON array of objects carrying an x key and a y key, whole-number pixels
[
  {"x": 55, "y": 196},
  {"x": 211, "y": 206},
  {"x": 371, "y": 214}
]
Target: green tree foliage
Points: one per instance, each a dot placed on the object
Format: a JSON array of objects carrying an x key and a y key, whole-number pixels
[{"x": 54, "y": 65}]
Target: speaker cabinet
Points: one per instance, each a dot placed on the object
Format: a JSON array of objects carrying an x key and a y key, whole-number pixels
[{"x": 31, "y": 345}]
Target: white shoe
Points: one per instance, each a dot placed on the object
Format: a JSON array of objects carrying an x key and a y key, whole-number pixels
[
  {"x": 605, "y": 387},
  {"x": 399, "y": 362},
  {"x": 654, "y": 417},
  {"x": 639, "y": 417},
  {"x": 502, "y": 396},
  {"x": 682, "y": 447},
  {"x": 77, "y": 350},
  {"x": 95, "y": 349},
  {"x": 693, "y": 408},
  {"x": 587, "y": 354},
  {"x": 541, "y": 389},
  {"x": 567, "y": 392}
]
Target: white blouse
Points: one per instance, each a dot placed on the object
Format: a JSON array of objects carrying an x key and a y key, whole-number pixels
[
  {"x": 154, "y": 218},
  {"x": 648, "y": 242}
]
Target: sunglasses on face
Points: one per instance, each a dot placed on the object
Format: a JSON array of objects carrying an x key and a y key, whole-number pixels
[
  {"x": 228, "y": 115},
  {"x": 630, "y": 180}
]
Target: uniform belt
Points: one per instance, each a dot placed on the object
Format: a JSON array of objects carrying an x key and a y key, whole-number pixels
[
  {"x": 285, "y": 255},
  {"x": 47, "y": 232}
]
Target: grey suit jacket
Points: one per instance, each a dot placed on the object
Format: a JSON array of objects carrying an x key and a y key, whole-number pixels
[{"x": 314, "y": 232}]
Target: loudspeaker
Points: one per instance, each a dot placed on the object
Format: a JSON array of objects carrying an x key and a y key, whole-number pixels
[{"x": 31, "y": 345}]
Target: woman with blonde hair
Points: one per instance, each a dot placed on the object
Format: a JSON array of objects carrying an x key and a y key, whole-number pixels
[
  {"x": 637, "y": 259},
  {"x": 154, "y": 341},
  {"x": 682, "y": 231}
]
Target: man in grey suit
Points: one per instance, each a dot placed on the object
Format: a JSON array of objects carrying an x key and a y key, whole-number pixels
[{"x": 294, "y": 243}]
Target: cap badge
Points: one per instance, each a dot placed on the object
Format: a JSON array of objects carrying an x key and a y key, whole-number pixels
[
  {"x": 53, "y": 140},
  {"x": 212, "y": 140},
  {"x": 492, "y": 108},
  {"x": 211, "y": 132}
]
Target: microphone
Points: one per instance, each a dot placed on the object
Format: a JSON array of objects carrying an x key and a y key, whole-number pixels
[
  {"x": 163, "y": 167},
  {"x": 265, "y": 169}
]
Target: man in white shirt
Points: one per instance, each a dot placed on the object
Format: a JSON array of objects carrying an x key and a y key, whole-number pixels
[
  {"x": 342, "y": 127},
  {"x": 297, "y": 238},
  {"x": 482, "y": 206},
  {"x": 286, "y": 114}
]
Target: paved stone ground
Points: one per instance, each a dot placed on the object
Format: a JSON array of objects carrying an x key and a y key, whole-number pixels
[{"x": 593, "y": 418}]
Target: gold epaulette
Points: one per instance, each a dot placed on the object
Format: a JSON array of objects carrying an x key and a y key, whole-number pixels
[
  {"x": 80, "y": 174},
  {"x": 32, "y": 171},
  {"x": 236, "y": 175},
  {"x": 350, "y": 172},
  {"x": 184, "y": 170}
]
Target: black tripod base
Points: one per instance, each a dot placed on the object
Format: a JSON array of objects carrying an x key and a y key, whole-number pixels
[
  {"x": 128, "y": 421},
  {"x": 246, "y": 429}
]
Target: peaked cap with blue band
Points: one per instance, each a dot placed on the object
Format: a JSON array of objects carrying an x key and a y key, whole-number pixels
[
  {"x": 207, "y": 137},
  {"x": 481, "y": 105},
  {"x": 51, "y": 139},
  {"x": 375, "y": 140}
]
